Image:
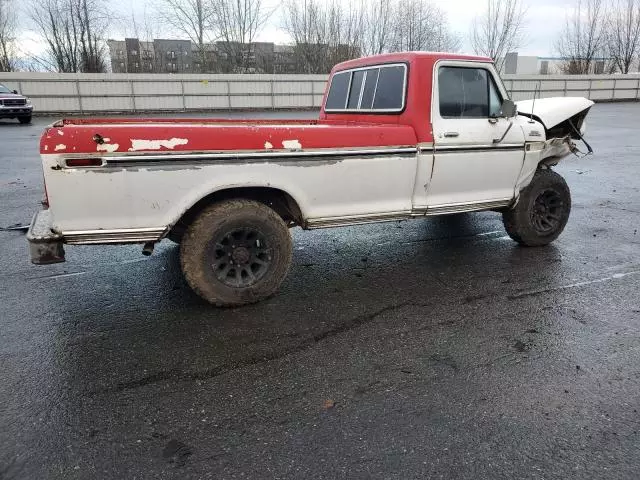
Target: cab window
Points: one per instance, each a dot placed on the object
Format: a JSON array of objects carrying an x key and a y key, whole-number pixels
[
  {"x": 467, "y": 93},
  {"x": 378, "y": 88}
]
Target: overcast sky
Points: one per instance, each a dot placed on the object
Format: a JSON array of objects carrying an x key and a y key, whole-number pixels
[{"x": 545, "y": 18}]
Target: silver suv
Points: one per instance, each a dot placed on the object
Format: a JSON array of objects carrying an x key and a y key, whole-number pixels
[{"x": 14, "y": 105}]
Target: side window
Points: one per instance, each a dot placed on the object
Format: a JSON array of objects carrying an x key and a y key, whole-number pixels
[
  {"x": 467, "y": 93},
  {"x": 495, "y": 100}
]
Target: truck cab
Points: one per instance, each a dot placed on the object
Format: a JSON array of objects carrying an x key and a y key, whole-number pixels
[
  {"x": 398, "y": 136},
  {"x": 475, "y": 151}
]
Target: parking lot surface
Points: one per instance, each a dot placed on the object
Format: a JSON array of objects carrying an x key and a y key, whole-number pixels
[{"x": 425, "y": 349}]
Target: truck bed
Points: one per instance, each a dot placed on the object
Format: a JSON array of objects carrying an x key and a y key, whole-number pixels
[{"x": 105, "y": 136}]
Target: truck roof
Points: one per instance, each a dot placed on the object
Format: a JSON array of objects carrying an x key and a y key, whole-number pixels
[{"x": 406, "y": 57}]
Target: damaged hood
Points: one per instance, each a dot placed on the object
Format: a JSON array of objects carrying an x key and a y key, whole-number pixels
[{"x": 553, "y": 111}]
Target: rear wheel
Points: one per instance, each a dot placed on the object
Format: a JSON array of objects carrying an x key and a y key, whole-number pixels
[
  {"x": 25, "y": 120},
  {"x": 542, "y": 211},
  {"x": 236, "y": 252}
]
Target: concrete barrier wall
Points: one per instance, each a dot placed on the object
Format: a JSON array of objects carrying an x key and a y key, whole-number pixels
[
  {"x": 600, "y": 88},
  {"x": 90, "y": 93}
]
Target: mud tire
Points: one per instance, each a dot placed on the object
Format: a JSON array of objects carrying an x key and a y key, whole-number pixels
[
  {"x": 542, "y": 212},
  {"x": 203, "y": 247}
]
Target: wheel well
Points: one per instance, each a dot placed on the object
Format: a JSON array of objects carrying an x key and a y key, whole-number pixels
[{"x": 280, "y": 201}]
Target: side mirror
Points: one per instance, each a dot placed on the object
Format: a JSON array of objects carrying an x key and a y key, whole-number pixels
[
  {"x": 16, "y": 92},
  {"x": 509, "y": 109}
]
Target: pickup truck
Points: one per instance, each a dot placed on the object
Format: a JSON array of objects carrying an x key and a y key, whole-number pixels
[
  {"x": 399, "y": 136},
  {"x": 14, "y": 105}
]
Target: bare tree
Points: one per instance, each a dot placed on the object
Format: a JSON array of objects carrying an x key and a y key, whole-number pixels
[
  {"x": 93, "y": 28},
  {"x": 445, "y": 40},
  {"x": 623, "y": 34},
  {"x": 378, "y": 26},
  {"x": 327, "y": 33},
  {"x": 583, "y": 37},
  {"x": 193, "y": 18},
  {"x": 420, "y": 25},
  {"x": 499, "y": 30},
  {"x": 8, "y": 52},
  {"x": 344, "y": 28},
  {"x": 302, "y": 21},
  {"x": 238, "y": 22},
  {"x": 74, "y": 34},
  {"x": 60, "y": 32}
]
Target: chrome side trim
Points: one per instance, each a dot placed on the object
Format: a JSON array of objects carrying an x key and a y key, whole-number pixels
[
  {"x": 255, "y": 157},
  {"x": 468, "y": 207},
  {"x": 142, "y": 235},
  {"x": 314, "y": 223},
  {"x": 124, "y": 235},
  {"x": 477, "y": 148},
  {"x": 406, "y": 214}
]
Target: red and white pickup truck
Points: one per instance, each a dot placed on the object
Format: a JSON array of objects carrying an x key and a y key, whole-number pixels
[{"x": 399, "y": 136}]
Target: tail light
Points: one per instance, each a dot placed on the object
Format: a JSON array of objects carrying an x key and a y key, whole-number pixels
[{"x": 84, "y": 162}]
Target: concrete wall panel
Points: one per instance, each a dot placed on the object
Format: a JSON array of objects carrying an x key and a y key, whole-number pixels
[{"x": 55, "y": 92}]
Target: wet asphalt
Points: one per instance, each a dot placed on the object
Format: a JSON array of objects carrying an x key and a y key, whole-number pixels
[{"x": 424, "y": 349}]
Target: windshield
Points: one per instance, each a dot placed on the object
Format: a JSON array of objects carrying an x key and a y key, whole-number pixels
[{"x": 4, "y": 89}]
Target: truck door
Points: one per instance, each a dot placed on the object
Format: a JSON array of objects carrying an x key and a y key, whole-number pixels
[{"x": 478, "y": 154}]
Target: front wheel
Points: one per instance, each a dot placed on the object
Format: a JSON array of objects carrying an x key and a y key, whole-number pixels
[
  {"x": 25, "y": 120},
  {"x": 542, "y": 211},
  {"x": 236, "y": 252}
]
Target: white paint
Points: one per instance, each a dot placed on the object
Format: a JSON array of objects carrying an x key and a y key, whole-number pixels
[
  {"x": 46, "y": 147},
  {"x": 555, "y": 110},
  {"x": 60, "y": 146},
  {"x": 328, "y": 189},
  {"x": 268, "y": 145},
  {"x": 169, "y": 144},
  {"x": 108, "y": 147},
  {"x": 292, "y": 144},
  {"x": 61, "y": 133},
  {"x": 466, "y": 176}
]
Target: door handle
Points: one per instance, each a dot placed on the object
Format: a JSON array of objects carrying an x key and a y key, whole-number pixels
[{"x": 451, "y": 135}]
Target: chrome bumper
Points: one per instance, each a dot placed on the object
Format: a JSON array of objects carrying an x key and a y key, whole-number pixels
[{"x": 45, "y": 245}]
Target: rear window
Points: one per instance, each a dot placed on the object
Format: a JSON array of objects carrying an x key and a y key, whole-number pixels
[{"x": 372, "y": 89}]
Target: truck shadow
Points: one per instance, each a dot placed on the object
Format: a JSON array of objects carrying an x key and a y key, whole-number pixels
[{"x": 151, "y": 328}]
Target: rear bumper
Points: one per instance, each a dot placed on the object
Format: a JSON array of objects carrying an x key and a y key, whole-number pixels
[{"x": 45, "y": 245}]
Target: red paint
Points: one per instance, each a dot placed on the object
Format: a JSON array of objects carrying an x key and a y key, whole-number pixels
[{"x": 330, "y": 131}]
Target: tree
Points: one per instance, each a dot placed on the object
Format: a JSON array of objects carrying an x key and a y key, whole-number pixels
[
  {"x": 420, "y": 25},
  {"x": 344, "y": 28},
  {"x": 238, "y": 22},
  {"x": 7, "y": 36},
  {"x": 378, "y": 27},
  {"x": 499, "y": 30},
  {"x": 583, "y": 37},
  {"x": 193, "y": 18},
  {"x": 304, "y": 21},
  {"x": 623, "y": 34},
  {"x": 324, "y": 33},
  {"x": 327, "y": 33},
  {"x": 73, "y": 31}
]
